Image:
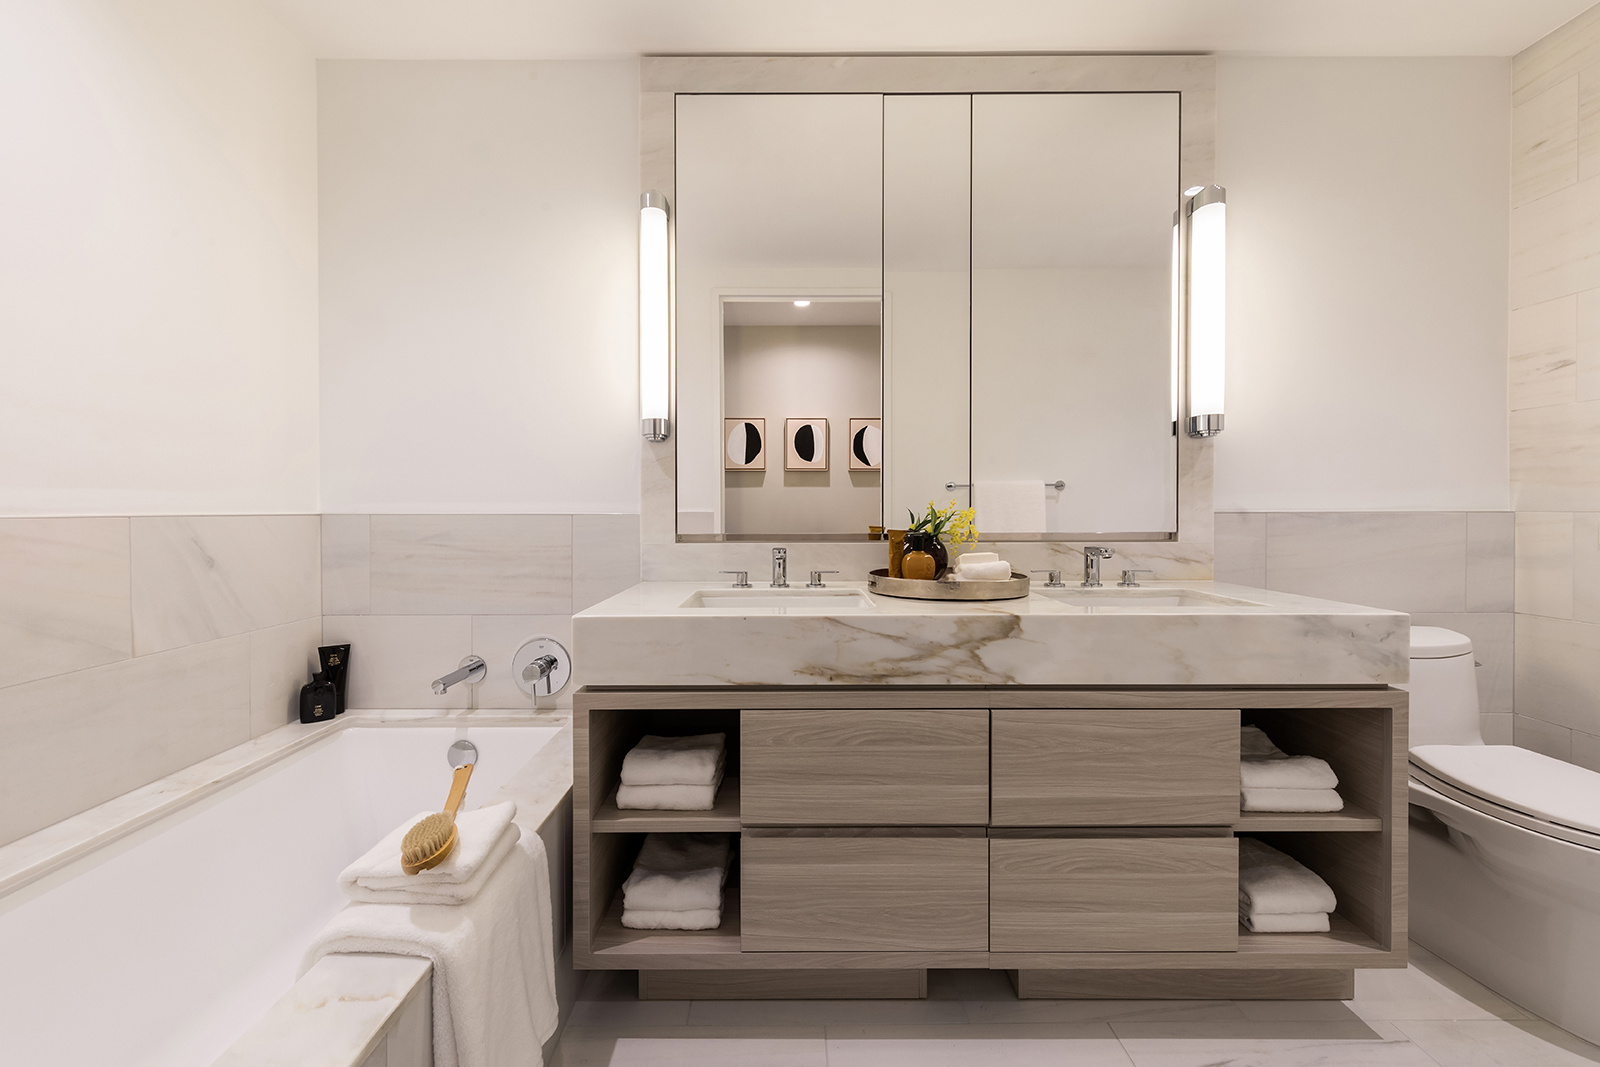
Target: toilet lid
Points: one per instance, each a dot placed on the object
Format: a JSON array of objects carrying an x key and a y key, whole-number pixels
[
  {"x": 1529, "y": 782},
  {"x": 1435, "y": 642}
]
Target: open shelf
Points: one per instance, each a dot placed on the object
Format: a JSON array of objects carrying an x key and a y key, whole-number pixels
[
  {"x": 724, "y": 816},
  {"x": 612, "y": 938},
  {"x": 1352, "y": 818},
  {"x": 1344, "y": 938}
]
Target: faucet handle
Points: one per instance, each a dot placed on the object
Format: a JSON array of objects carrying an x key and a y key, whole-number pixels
[
  {"x": 1054, "y": 582},
  {"x": 816, "y": 579},
  {"x": 1097, "y": 552},
  {"x": 1127, "y": 577},
  {"x": 741, "y": 579}
]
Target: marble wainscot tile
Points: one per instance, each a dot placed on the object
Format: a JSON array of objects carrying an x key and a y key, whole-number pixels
[
  {"x": 1555, "y": 57},
  {"x": 1587, "y": 383},
  {"x": 647, "y": 636},
  {"x": 1558, "y": 671},
  {"x": 1544, "y": 142},
  {"x": 1544, "y": 563},
  {"x": 1586, "y": 750},
  {"x": 497, "y": 637},
  {"x": 71, "y": 742},
  {"x": 1543, "y": 343},
  {"x": 471, "y": 564},
  {"x": 1497, "y": 729},
  {"x": 605, "y": 557},
  {"x": 282, "y": 659},
  {"x": 1586, "y": 567},
  {"x": 1405, "y": 561},
  {"x": 395, "y": 658},
  {"x": 1491, "y": 560},
  {"x": 1555, "y": 456},
  {"x": 1555, "y": 244},
  {"x": 63, "y": 596},
  {"x": 1493, "y": 636},
  {"x": 1242, "y": 547},
  {"x": 1589, "y": 122},
  {"x": 1540, "y": 736},
  {"x": 198, "y": 578},
  {"x": 346, "y": 564}
]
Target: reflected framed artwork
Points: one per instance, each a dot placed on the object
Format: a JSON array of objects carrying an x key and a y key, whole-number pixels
[
  {"x": 744, "y": 444},
  {"x": 866, "y": 444},
  {"x": 806, "y": 444}
]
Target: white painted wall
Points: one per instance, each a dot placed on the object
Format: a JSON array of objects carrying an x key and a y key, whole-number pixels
[
  {"x": 158, "y": 203},
  {"x": 1367, "y": 229},
  {"x": 479, "y": 286}
]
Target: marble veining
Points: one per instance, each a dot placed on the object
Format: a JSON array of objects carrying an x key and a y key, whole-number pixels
[{"x": 66, "y": 596}]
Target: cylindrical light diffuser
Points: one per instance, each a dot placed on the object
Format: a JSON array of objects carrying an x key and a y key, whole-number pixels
[
  {"x": 1177, "y": 308},
  {"x": 1208, "y": 324},
  {"x": 655, "y": 346}
]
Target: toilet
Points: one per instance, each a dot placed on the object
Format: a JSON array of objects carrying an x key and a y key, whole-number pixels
[{"x": 1505, "y": 848}]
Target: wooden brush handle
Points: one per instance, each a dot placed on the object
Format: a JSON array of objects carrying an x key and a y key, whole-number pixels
[{"x": 458, "y": 790}]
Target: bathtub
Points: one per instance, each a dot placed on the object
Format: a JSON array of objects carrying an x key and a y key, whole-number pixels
[{"x": 163, "y": 946}]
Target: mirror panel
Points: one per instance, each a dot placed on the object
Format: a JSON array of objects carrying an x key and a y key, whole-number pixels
[{"x": 1072, "y": 203}]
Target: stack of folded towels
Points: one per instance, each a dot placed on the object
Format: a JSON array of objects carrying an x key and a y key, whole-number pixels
[
  {"x": 482, "y": 916},
  {"x": 673, "y": 773},
  {"x": 1270, "y": 780},
  {"x": 677, "y": 882},
  {"x": 979, "y": 567},
  {"x": 1278, "y": 895}
]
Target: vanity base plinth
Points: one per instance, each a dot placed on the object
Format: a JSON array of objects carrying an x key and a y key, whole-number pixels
[
  {"x": 1233, "y": 984},
  {"x": 783, "y": 985}
]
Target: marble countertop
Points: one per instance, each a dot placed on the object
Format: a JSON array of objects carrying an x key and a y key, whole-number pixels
[{"x": 649, "y": 635}]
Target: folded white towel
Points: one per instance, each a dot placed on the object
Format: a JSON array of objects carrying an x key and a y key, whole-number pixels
[
  {"x": 1290, "y": 800},
  {"x": 493, "y": 961},
  {"x": 694, "y": 760},
  {"x": 1010, "y": 507},
  {"x": 1263, "y": 765},
  {"x": 483, "y": 839},
  {"x": 678, "y": 872},
  {"x": 977, "y": 557},
  {"x": 668, "y": 797},
  {"x": 983, "y": 572},
  {"x": 1308, "y": 922},
  {"x": 702, "y": 919},
  {"x": 1271, "y": 883}
]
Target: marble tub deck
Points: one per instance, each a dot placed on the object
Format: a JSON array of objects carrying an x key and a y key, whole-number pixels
[{"x": 646, "y": 636}]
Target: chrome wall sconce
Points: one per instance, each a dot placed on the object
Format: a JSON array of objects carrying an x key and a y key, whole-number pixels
[
  {"x": 1208, "y": 291},
  {"x": 655, "y": 320}
]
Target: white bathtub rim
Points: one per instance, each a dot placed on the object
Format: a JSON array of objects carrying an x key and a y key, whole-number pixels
[{"x": 28, "y": 859}]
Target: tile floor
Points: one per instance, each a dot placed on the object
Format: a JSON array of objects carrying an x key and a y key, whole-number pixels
[{"x": 1429, "y": 1015}]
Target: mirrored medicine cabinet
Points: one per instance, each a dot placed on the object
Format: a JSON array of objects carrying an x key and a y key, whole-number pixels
[{"x": 883, "y": 300}]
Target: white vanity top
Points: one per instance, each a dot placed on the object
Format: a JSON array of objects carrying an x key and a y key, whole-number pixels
[{"x": 1161, "y": 633}]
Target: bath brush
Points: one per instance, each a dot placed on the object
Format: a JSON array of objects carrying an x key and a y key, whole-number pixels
[{"x": 430, "y": 841}]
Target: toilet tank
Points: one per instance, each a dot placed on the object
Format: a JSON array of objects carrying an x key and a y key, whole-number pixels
[{"x": 1444, "y": 689}]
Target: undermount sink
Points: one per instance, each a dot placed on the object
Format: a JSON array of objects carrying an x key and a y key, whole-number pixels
[
  {"x": 1111, "y": 598},
  {"x": 796, "y": 601}
]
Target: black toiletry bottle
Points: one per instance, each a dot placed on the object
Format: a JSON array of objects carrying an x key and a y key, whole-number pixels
[
  {"x": 318, "y": 700},
  {"x": 336, "y": 665}
]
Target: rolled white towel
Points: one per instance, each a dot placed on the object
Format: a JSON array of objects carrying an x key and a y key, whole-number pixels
[
  {"x": 694, "y": 760},
  {"x": 983, "y": 572},
  {"x": 1263, "y": 765},
  {"x": 678, "y": 872},
  {"x": 699, "y": 919},
  {"x": 1307, "y": 800},
  {"x": 1271, "y": 883},
  {"x": 1308, "y": 922},
  {"x": 483, "y": 839}
]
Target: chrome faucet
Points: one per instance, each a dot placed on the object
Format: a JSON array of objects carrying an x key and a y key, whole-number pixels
[
  {"x": 780, "y": 568},
  {"x": 1092, "y": 555},
  {"x": 471, "y": 671}
]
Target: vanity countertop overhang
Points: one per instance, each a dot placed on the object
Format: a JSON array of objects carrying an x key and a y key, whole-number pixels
[{"x": 664, "y": 634}]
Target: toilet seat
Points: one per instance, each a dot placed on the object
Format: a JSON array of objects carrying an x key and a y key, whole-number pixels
[{"x": 1519, "y": 786}]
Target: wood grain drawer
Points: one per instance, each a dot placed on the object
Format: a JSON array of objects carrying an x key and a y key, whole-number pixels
[
  {"x": 1145, "y": 894},
  {"x": 864, "y": 893},
  {"x": 1115, "y": 768},
  {"x": 864, "y": 768}
]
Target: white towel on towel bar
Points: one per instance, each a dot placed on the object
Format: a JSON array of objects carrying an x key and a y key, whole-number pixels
[
  {"x": 1264, "y": 765},
  {"x": 483, "y": 840},
  {"x": 1010, "y": 507},
  {"x": 1272, "y": 883},
  {"x": 695, "y": 760}
]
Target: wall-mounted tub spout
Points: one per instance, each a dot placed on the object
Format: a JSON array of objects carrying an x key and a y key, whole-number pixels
[{"x": 472, "y": 671}]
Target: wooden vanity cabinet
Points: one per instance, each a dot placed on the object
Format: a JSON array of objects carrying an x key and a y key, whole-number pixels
[{"x": 1084, "y": 840}]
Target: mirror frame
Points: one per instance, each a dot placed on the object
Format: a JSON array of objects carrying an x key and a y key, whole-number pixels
[{"x": 664, "y": 554}]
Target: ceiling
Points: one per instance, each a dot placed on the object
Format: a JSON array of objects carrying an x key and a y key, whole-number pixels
[{"x": 574, "y": 29}]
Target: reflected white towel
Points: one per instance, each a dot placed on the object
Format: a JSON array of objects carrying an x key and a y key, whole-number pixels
[
  {"x": 1290, "y": 800},
  {"x": 1010, "y": 507},
  {"x": 483, "y": 840},
  {"x": 704, "y": 919},
  {"x": 1271, "y": 883},
  {"x": 493, "y": 962},
  {"x": 695, "y": 760},
  {"x": 669, "y": 797},
  {"x": 678, "y": 872},
  {"x": 1264, "y": 765},
  {"x": 1308, "y": 922}
]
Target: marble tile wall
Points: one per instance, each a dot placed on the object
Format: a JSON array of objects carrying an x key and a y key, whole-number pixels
[
  {"x": 1445, "y": 568},
  {"x": 1554, "y": 389},
  {"x": 414, "y": 594},
  {"x": 132, "y": 647}
]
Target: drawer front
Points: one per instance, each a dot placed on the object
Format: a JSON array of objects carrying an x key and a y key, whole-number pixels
[
  {"x": 1115, "y": 768},
  {"x": 858, "y": 894},
  {"x": 1148, "y": 894},
  {"x": 864, "y": 768}
]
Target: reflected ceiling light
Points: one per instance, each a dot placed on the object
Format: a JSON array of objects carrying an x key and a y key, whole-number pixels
[
  {"x": 1208, "y": 324},
  {"x": 802, "y": 303},
  {"x": 655, "y": 343}
]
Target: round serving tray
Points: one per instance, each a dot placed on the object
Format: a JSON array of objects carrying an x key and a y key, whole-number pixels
[{"x": 1012, "y": 588}]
